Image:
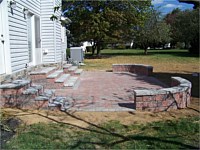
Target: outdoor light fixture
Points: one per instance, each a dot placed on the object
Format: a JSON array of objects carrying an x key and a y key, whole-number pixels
[
  {"x": 65, "y": 19},
  {"x": 13, "y": 4},
  {"x": 1, "y": 1},
  {"x": 25, "y": 11}
]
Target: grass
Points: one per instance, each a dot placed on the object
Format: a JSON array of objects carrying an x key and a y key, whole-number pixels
[
  {"x": 176, "y": 134},
  {"x": 176, "y": 61}
]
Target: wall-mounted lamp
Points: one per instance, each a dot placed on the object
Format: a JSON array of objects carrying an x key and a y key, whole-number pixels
[
  {"x": 25, "y": 11},
  {"x": 1, "y": 1},
  {"x": 13, "y": 4},
  {"x": 65, "y": 20}
]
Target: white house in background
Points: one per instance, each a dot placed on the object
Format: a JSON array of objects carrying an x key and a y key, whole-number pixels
[{"x": 28, "y": 36}]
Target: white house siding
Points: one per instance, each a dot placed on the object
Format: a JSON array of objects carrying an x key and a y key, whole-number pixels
[
  {"x": 47, "y": 30},
  {"x": 18, "y": 33},
  {"x": 51, "y": 31},
  {"x": 58, "y": 34}
]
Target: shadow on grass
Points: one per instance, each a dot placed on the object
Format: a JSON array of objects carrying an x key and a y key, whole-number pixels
[
  {"x": 119, "y": 138},
  {"x": 166, "y": 78}
]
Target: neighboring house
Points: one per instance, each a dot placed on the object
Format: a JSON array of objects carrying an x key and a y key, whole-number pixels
[{"x": 28, "y": 36}]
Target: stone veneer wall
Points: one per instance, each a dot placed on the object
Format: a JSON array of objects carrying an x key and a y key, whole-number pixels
[
  {"x": 24, "y": 73},
  {"x": 165, "y": 99},
  {"x": 133, "y": 68}
]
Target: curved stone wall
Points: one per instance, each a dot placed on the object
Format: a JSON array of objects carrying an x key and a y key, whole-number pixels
[
  {"x": 133, "y": 68},
  {"x": 176, "y": 97}
]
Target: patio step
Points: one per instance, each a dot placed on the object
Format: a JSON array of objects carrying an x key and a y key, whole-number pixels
[
  {"x": 15, "y": 87},
  {"x": 78, "y": 72},
  {"x": 55, "y": 75},
  {"x": 42, "y": 73},
  {"x": 72, "y": 70},
  {"x": 60, "y": 103},
  {"x": 33, "y": 90},
  {"x": 66, "y": 67},
  {"x": 71, "y": 82},
  {"x": 45, "y": 70},
  {"x": 43, "y": 99},
  {"x": 62, "y": 78},
  {"x": 46, "y": 95}
]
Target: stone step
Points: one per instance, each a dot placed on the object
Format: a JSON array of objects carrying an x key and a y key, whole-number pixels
[
  {"x": 39, "y": 88},
  {"x": 73, "y": 69},
  {"x": 62, "y": 103},
  {"x": 43, "y": 71},
  {"x": 46, "y": 96},
  {"x": 16, "y": 84},
  {"x": 66, "y": 66},
  {"x": 63, "y": 78},
  {"x": 30, "y": 91},
  {"x": 78, "y": 72},
  {"x": 71, "y": 82},
  {"x": 55, "y": 74},
  {"x": 16, "y": 87}
]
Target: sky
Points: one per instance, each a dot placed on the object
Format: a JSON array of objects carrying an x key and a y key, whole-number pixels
[{"x": 166, "y": 6}]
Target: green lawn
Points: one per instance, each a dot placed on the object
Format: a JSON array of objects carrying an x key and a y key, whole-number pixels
[
  {"x": 174, "y": 60},
  {"x": 176, "y": 134}
]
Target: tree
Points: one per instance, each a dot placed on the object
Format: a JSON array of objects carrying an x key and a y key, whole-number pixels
[
  {"x": 154, "y": 32},
  {"x": 185, "y": 28},
  {"x": 170, "y": 20},
  {"x": 195, "y": 2},
  {"x": 104, "y": 21}
]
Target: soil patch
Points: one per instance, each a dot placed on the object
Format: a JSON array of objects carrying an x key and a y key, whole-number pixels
[
  {"x": 84, "y": 119},
  {"x": 8, "y": 128}
]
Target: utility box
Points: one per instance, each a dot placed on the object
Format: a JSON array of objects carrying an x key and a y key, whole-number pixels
[{"x": 77, "y": 54}]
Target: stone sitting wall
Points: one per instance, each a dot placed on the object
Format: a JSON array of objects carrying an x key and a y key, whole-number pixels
[
  {"x": 133, "y": 68},
  {"x": 178, "y": 96},
  {"x": 165, "y": 99}
]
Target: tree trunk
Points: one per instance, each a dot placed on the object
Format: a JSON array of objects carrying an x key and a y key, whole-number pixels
[
  {"x": 145, "y": 51},
  {"x": 93, "y": 50},
  {"x": 98, "y": 48}
]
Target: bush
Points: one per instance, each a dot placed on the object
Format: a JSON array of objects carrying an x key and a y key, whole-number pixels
[
  {"x": 121, "y": 46},
  {"x": 68, "y": 52}
]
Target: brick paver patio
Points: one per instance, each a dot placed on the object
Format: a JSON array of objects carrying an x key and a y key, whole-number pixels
[{"x": 107, "y": 91}]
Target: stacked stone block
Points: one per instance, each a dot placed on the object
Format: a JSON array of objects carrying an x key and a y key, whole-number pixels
[{"x": 133, "y": 68}]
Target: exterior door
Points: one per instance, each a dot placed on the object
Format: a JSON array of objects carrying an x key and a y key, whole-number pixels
[
  {"x": 34, "y": 42},
  {"x": 2, "y": 50}
]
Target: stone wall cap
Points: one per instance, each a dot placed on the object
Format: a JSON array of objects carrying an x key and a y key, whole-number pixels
[
  {"x": 149, "y": 92},
  {"x": 160, "y": 91},
  {"x": 15, "y": 84},
  {"x": 182, "y": 81}
]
